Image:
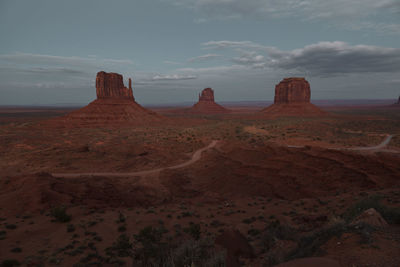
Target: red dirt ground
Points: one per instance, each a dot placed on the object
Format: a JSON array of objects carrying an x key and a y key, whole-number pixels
[{"x": 274, "y": 195}]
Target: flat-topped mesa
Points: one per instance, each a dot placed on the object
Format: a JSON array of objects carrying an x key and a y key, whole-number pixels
[
  {"x": 206, "y": 103},
  {"x": 292, "y": 98},
  {"x": 292, "y": 90},
  {"x": 111, "y": 86},
  {"x": 207, "y": 95}
]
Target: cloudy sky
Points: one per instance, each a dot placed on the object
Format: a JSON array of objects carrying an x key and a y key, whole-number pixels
[{"x": 51, "y": 50}]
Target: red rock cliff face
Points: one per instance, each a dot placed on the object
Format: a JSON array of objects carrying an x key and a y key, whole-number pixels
[
  {"x": 207, "y": 95},
  {"x": 292, "y": 90},
  {"x": 111, "y": 86}
]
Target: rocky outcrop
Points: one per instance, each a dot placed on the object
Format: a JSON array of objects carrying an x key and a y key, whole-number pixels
[
  {"x": 114, "y": 105},
  {"x": 111, "y": 85},
  {"x": 292, "y": 90},
  {"x": 371, "y": 217},
  {"x": 292, "y": 98},
  {"x": 206, "y": 104}
]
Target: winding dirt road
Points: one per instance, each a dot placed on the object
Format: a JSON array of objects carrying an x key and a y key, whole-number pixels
[
  {"x": 382, "y": 145},
  {"x": 195, "y": 157},
  {"x": 378, "y": 148}
]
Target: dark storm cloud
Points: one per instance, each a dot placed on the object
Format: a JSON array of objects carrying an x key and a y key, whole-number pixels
[
  {"x": 331, "y": 58},
  {"x": 320, "y": 59}
]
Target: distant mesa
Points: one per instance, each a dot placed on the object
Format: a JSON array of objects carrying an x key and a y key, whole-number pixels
[
  {"x": 114, "y": 104},
  {"x": 292, "y": 98},
  {"x": 397, "y": 103},
  {"x": 206, "y": 104}
]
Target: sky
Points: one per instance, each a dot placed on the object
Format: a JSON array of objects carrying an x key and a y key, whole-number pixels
[{"x": 51, "y": 50}]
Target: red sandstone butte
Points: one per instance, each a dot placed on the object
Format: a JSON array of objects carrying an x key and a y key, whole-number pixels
[
  {"x": 206, "y": 104},
  {"x": 111, "y": 85},
  {"x": 115, "y": 104},
  {"x": 292, "y": 98},
  {"x": 292, "y": 90}
]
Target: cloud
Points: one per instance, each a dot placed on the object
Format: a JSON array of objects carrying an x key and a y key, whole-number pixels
[
  {"x": 341, "y": 12},
  {"x": 41, "y": 70},
  {"x": 41, "y": 59},
  {"x": 203, "y": 57},
  {"x": 172, "y": 77},
  {"x": 332, "y": 58},
  {"x": 320, "y": 59},
  {"x": 232, "y": 44},
  {"x": 251, "y": 59},
  {"x": 217, "y": 70},
  {"x": 171, "y": 62}
]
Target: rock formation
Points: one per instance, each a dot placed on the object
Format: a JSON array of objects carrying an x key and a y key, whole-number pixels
[
  {"x": 397, "y": 103},
  {"x": 115, "y": 104},
  {"x": 111, "y": 85},
  {"x": 207, "y": 95},
  {"x": 371, "y": 217},
  {"x": 206, "y": 103},
  {"x": 292, "y": 90},
  {"x": 292, "y": 98}
]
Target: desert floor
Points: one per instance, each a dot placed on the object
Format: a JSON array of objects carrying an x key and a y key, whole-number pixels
[{"x": 162, "y": 193}]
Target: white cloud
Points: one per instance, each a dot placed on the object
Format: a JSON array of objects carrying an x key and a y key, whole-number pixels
[
  {"x": 172, "y": 77},
  {"x": 251, "y": 59},
  {"x": 41, "y": 59},
  {"x": 204, "y": 57},
  {"x": 217, "y": 70},
  {"x": 232, "y": 44},
  {"x": 171, "y": 62},
  {"x": 353, "y": 13}
]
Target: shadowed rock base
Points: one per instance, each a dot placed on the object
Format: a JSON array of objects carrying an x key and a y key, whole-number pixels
[
  {"x": 112, "y": 111},
  {"x": 294, "y": 109}
]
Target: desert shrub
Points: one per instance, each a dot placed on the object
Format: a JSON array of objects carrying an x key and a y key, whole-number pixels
[
  {"x": 16, "y": 250},
  {"x": 121, "y": 218},
  {"x": 70, "y": 228},
  {"x": 122, "y": 247},
  {"x": 11, "y": 226},
  {"x": 60, "y": 214},
  {"x": 309, "y": 244},
  {"x": 3, "y": 235},
  {"x": 122, "y": 228},
  {"x": 197, "y": 253},
  {"x": 10, "y": 263},
  {"x": 151, "y": 250},
  {"x": 193, "y": 230},
  {"x": 276, "y": 231}
]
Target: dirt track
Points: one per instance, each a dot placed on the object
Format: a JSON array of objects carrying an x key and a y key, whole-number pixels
[
  {"x": 378, "y": 148},
  {"x": 195, "y": 157}
]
